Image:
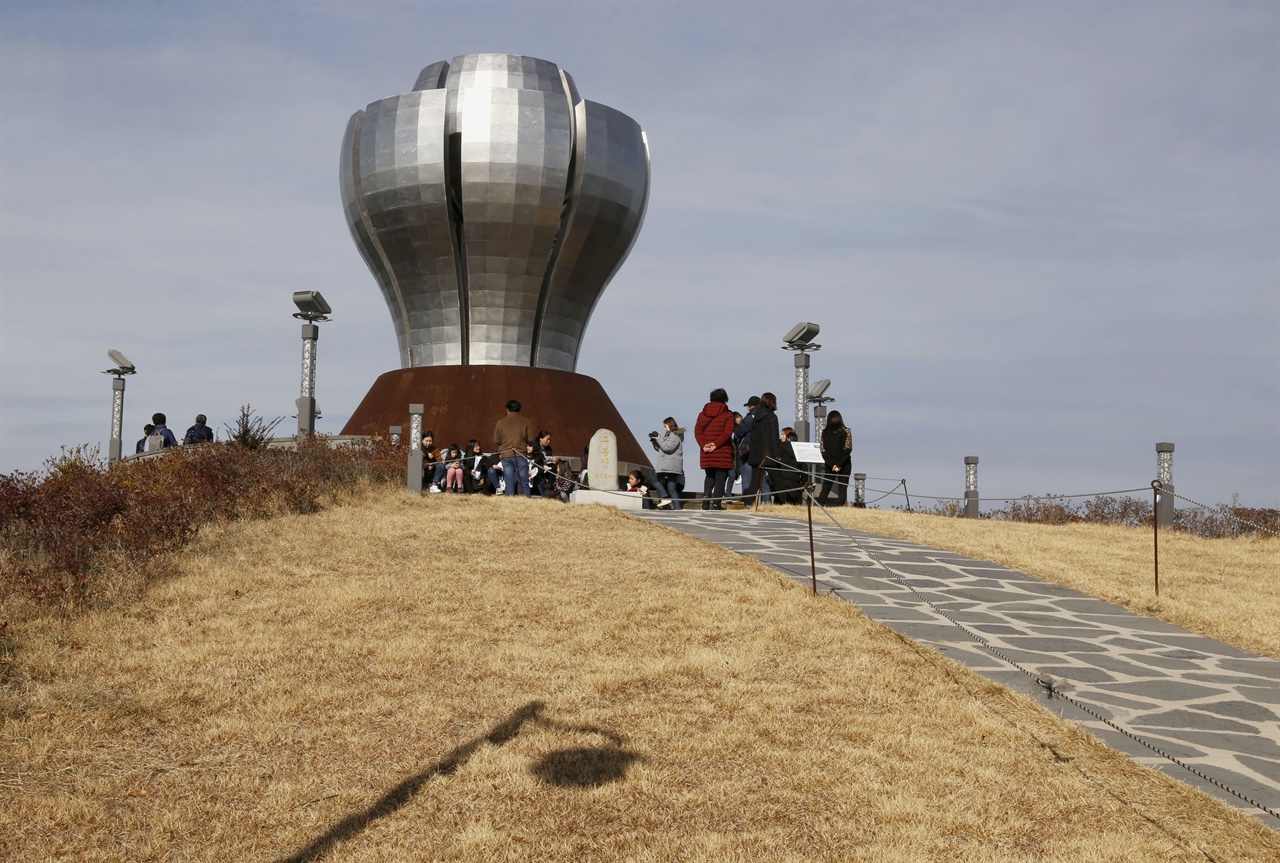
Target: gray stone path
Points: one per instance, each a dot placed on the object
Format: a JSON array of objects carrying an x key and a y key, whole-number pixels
[{"x": 1209, "y": 705}]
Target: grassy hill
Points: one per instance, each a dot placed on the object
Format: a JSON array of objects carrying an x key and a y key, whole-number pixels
[{"x": 471, "y": 679}]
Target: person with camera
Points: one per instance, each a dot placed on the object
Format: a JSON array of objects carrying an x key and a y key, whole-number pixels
[{"x": 668, "y": 477}]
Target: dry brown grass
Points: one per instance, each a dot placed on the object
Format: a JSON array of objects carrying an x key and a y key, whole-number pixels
[
  {"x": 1222, "y": 588},
  {"x": 473, "y": 679}
]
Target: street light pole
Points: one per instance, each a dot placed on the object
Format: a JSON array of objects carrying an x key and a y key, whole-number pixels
[
  {"x": 800, "y": 339},
  {"x": 313, "y": 309},
  {"x": 307, "y": 401},
  {"x": 123, "y": 367},
  {"x": 802, "y": 390}
]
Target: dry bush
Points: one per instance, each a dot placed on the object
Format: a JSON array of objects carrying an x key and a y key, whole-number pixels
[
  {"x": 68, "y": 531},
  {"x": 1224, "y": 520},
  {"x": 476, "y": 679}
]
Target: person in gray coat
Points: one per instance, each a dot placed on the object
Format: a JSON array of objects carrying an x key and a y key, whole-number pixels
[{"x": 668, "y": 477}]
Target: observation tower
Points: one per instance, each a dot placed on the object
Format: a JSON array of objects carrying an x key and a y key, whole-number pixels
[{"x": 493, "y": 205}]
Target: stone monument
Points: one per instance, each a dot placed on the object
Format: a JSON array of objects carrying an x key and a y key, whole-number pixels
[
  {"x": 602, "y": 475},
  {"x": 602, "y": 461}
]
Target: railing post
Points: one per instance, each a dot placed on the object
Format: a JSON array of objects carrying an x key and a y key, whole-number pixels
[
  {"x": 1164, "y": 473},
  {"x": 394, "y": 432},
  {"x": 413, "y": 479},
  {"x": 971, "y": 486},
  {"x": 860, "y": 491}
]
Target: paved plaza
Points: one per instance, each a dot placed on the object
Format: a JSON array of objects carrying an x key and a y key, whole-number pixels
[{"x": 1213, "y": 708}]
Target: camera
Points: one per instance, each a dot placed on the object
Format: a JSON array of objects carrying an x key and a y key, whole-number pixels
[{"x": 653, "y": 434}]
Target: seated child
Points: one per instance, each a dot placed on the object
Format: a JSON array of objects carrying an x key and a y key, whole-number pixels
[
  {"x": 452, "y": 460},
  {"x": 635, "y": 482},
  {"x": 564, "y": 482}
]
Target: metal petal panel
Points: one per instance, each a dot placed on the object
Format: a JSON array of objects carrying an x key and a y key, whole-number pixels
[
  {"x": 609, "y": 199},
  {"x": 492, "y": 205}
]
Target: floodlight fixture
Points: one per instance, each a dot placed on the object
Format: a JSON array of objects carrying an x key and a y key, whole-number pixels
[
  {"x": 123, "y": 365},
  {"x": 801, "y": 336},
  {"x": 800, "y": 339},
  {"x": 311, "y": 306},
  {"x": 817, "y": 395}
]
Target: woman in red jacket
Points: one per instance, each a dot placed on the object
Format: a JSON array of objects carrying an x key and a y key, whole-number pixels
[{"x": 713, "y": 431}]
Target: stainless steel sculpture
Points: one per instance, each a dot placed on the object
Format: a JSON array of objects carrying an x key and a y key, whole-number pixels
[{"x": 493, "y": 205}]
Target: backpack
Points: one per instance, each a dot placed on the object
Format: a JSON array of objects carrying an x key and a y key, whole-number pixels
[{"x": 155, "y": 441}]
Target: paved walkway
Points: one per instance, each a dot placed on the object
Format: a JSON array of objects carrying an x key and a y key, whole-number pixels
[{"x": 1214, "y": 708}]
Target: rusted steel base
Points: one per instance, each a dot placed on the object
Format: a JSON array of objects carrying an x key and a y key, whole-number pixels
[{"x": 464, "y": 402}]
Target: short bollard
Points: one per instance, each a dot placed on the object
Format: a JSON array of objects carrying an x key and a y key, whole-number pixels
[
  {"x": 860, "y": 491},
  {"x": 394, "y": 433},
  {"x": 1164, "y": 474},
  {"x": 971, "y": 486},
  {"x": 413, "y": 476}
]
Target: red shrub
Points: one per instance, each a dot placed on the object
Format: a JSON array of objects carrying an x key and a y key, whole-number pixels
[{"x": 61, "y": 530}]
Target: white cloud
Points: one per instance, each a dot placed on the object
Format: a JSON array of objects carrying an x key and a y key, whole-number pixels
[{"x": 1045, "y": 234}]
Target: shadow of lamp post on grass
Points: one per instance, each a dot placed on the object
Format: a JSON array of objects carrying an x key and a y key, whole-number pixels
[{"x": 582, "y": 767}]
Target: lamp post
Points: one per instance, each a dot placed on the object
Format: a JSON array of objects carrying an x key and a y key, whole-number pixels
[
  {"x": 800, "y": 339},
  {"x": 971, "y": 486},
  {"x": 313, "y": 309},
  {"x": 123, "y": 367},
  {"x": 1164, "y": 473},
  {"x": 819, "y": 399}
]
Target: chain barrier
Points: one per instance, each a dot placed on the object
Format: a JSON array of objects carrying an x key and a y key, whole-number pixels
[
  {"x": 1051, "y": 687},
  {"x": 840, "y": 482},
  {"x": 1224, "y": 511}
]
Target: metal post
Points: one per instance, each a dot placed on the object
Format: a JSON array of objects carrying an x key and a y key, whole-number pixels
[
  {"x": 802, "y": 396},
  {"x": 860, "y": 491},
  {"x": 307, "y": 401},
  {"x": 971, "y": 486},
  {"x": 1164, "y": 473},
  {"x": 117, "y": 420},
  {"x": 413, "y": 477},
  {"x": 394, "y": 431},
  {"x": 819, "y": 421},
  {"x": 813, "y": 560},
  {"x": 1155, "y": 534}
]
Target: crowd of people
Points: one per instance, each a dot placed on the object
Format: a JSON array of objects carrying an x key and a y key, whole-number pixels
[
  {"x": 521, "y": 462},
  {"x": 733, "y": 446},
  {"x": 747, "y": 447},
  {"x": 156, "y": 435}
]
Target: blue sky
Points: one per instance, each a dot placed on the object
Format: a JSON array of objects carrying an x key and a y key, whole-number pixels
[{"x": 1046, "y": 234}]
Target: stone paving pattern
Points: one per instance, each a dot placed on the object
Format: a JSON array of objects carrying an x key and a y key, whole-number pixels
[{"x": 1211, "y": 706}]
